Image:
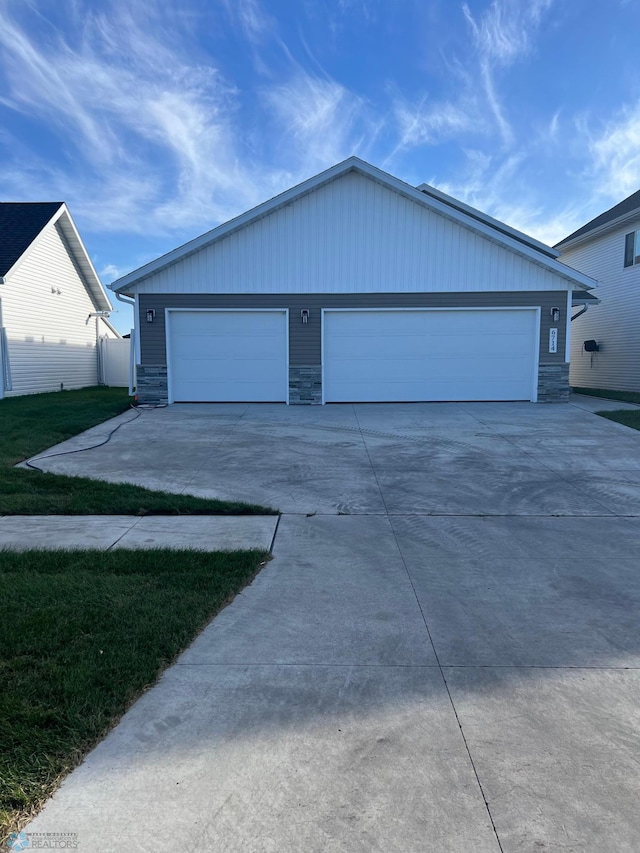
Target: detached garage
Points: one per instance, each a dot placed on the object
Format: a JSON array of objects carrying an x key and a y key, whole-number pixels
[{"x": 355, "y": 287}]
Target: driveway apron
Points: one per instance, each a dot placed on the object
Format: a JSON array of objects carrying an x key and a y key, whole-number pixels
[{"x": 443, "y": 654}]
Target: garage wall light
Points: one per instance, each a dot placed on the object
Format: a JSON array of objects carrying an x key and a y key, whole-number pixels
[
  {"x": 304, "y": 315},
  {"x": 555, "y": 314},
  {"x": 151, "y": 313}
]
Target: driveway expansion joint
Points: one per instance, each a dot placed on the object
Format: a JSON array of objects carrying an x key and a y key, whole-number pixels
[
  {"x": 448, "y": 691},
  {"x": 135, "y": 524}
]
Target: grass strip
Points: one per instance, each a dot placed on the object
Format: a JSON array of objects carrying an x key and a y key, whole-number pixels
[
  {"x": 30, "y": 425},
  {"x": 626, "y": 417},
  {"x": 83, "y": 634},
  {"x": 623, "y": 396}
]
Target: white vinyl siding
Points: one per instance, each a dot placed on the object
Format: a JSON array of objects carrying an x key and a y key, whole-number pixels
[
  {"x": 51, "y": 341},
  {"x": 430, "y": 355},
  {"x": 352, "y": 235},
  {"x": 227, "y": 356},
  {"x": 615, "y": 323}
]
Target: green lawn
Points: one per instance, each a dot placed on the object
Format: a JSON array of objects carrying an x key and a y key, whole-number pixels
[
  {"x": 30, "y": 425},
  {"x": 624, "y": 396},
  {"x": 627, "y": 417},
  {"x": 81, "y": 636}
]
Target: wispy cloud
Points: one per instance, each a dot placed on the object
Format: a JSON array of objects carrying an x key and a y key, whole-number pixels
[
  {"x": 110, "y": 272},
  {"x": 118, "y": 94},
  {"x": 154, "y": 129},
  {"x": 615, "y": 152},
  {"x": 365, "y": 9},
  {"x": 498, "y": 37},
  {"x": 325, "y": 120},
  {"x": 251, "y": 17},
  {"x": 430, "y": 122},
  {"x": 601, "y": 168},
  {"x": 151, "y": 129},
  {"x": 502, "y": 35},
  {"x": 496, "y": 185},
  {"x": 503, "y": 32}
]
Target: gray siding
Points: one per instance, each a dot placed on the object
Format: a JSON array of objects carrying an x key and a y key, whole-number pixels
[{"x": 304, "y": 340}]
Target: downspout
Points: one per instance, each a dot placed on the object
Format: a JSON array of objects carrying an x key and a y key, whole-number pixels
[
  {"x": 126, "y": 299},
  {"x": 132, "y": 355},
  {"x": 99, "y": 353},
  {"x": 97, "y": 315},
  {"x": 580, "y": 313},
  {"x": 5, "y": 379}
]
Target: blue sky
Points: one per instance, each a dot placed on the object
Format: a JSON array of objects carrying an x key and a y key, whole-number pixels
[{"x": 157, "y": 120}]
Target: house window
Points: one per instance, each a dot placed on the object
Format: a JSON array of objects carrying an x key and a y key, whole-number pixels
[{"x": 632, "y": 249}]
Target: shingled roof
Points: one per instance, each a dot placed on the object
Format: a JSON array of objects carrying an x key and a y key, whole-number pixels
[
  {"x": 20, "y": 224},
  {"x": 628, "y": 205}
]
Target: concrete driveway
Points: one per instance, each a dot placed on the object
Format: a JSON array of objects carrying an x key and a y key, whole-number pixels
[{"x": 444, "y": 654}]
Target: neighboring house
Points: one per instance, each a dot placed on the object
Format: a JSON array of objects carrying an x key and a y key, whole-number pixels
[
  {"x": 354, "y": 286},
  {"x": 53, "y": 307},
  {"x": 608, "y": 249}
]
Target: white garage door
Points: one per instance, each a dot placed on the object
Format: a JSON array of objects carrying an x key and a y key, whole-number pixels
[
  {"x": 398, "y": 356},
  {"x": 227, "y": 356}
]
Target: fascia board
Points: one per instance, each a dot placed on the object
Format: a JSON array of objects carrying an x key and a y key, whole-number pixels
[
  {"x": 92, "y": 280},
  {"x": 563, "y": 245}
]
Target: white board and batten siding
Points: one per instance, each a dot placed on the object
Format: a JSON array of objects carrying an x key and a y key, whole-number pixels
[
  {"x": 227, "y": 356},
  {"x": 615, "y": 322},
  {"x": 430, "y": 354},
  {"x": 352, "y": 235},
  {"x": 50, "y": 341}
]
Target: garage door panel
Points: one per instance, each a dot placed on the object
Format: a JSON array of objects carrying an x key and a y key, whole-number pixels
[
  {"x": 243, "y": 371},
  {"x": 434, "y": 391},
  {"x": 228, "y": 324},
  {"x": 429, "y": 355},
  {"x": 228, "y": 356},
  {"x": 515, "y": 370},
  {"x": 428, "y": 344},
  {"x": 218, "y": 347}
]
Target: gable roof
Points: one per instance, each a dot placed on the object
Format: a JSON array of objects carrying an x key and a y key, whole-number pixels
[
  {"x": 616, "y": 215},
  {"x": 21, "y": 223},
  {"x": 460, "y": 213}
]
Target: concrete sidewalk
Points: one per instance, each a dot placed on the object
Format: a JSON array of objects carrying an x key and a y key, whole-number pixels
[{"x": 104, "y": 532}]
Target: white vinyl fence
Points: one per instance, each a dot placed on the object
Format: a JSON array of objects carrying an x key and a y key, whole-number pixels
[{"x": 114, "y": 362}]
